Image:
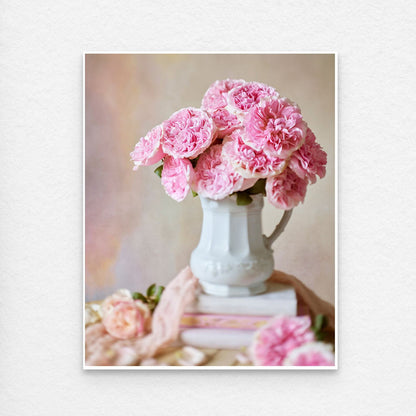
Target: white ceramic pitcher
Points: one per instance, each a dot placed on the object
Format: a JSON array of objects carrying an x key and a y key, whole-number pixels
[{"x": 233, "y": 257}]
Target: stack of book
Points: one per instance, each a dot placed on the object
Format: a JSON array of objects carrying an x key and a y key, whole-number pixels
[{"x": 230, "y": 323}]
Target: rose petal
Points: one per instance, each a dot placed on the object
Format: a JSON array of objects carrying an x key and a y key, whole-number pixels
[
  {"x": 309, "y": 161},
  {"x": 249, "y": 162},
  {"x": 176, "y": 176}
]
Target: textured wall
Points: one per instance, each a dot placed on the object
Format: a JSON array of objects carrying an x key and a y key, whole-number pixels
[{"x": 135, "y": 234}]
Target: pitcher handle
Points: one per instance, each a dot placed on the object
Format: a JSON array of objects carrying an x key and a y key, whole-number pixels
[{"x": 268, "y": 241}]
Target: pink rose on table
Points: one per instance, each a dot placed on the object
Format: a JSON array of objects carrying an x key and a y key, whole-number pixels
[
  {"x": 214, "y": 177},
  {"x": 311, "y": 354},
  {"x": 244, "y": 97},
  {"x": 123, "y": 317},
  {"x": 216, "y": 95},
  {"x": 276, "y": 126},
  {"x": 176, "y": 176},
  {"x": 274, "y": 341},
  {"x": 148, "y": 150},
  {"x": 187, "y": 133},
  {"x": 249, "y": 162},
  {"x": 286, "y": 190},
  {"x": 225, "y": 122},
  {"x": 309, "y": 161}
]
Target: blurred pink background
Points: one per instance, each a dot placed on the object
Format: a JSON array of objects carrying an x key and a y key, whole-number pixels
[{"x": 135, "y": 234}]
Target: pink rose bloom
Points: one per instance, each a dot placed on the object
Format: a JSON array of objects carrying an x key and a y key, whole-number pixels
[
  {"x": 244, "y": 97},
  {"x": 311, "y": 354},
  {"x": 225, "y": 122},
  {"x": 274, "y": 341},
  {"x": 215, "y": 177},
  {"x": 309, "y": 160},
  {"x": 249, "y": 162},
  {"x": 276, "y": 126},
  {"x": 176, "y": 176},
  {"x": 187, "y": 133},
  {"x": 148, "y": 150},
  {"x": 216, "y": 95},
  {"x": 123, "y": 317},
  {"x": 286, "y": 190}
]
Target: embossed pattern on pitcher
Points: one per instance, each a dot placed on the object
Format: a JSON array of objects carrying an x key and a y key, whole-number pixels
[{"x": 232, "y": 253}]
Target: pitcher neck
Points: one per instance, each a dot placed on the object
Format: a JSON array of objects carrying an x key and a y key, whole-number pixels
[{"x": 229, "y": 204}]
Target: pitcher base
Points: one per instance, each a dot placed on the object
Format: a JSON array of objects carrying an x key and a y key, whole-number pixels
[{"x": 233, "y": 291}]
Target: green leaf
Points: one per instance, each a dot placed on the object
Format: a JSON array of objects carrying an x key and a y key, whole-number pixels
[
  {"x": 243, "y": 198},
  {"x": 194, "y": 194},
  {"x": 320, "y": 322},
  {"x": 258, "y": 188},
  {"x": 151, "y": 290},
  {"x": 158, "y": 293},
  {"x": 139, "y": 296},
  {"x": 158, "y": 171}
]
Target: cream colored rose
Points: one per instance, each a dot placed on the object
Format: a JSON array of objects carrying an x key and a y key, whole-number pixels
[{"x": 123, "y": 317}]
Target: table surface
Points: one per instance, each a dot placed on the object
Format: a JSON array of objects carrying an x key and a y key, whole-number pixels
[{"x": 214, "y": 357}]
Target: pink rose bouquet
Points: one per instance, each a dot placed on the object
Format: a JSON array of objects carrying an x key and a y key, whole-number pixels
[{"x": 245, "y": 139}]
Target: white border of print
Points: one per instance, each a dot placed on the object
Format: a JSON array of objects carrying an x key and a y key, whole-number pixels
[{"x": 175, "y": 368}]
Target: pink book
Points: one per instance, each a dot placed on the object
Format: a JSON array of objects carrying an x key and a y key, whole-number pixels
[{"x": 196, "y": 320}]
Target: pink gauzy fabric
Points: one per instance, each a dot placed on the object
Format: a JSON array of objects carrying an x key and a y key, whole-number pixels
[
  {"x": 102, "y": 349},
  {"x": 308, "y": 302}
]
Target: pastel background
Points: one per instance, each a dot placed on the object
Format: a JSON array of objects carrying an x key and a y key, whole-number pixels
[{"x": 134, "y": 233}]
